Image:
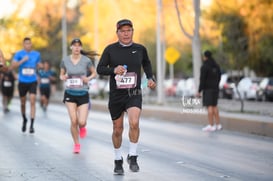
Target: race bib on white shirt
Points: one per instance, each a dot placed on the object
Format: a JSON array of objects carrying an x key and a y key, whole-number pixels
[
  {"x": 28, "y": 71},
  {"x": 7, "y": 83},
  {"x": 45, "y": 80},
  {"x": 74, "y": 82},
  {"x": 128, "y": 81}
]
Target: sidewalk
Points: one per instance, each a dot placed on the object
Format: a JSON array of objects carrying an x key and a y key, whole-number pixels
[{"x": 240, "y": 122}]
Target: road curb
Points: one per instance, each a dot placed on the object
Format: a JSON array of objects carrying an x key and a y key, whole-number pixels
[{"x": 252, "y": 124}]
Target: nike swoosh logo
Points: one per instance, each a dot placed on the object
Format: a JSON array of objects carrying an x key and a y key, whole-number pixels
[{"x": 134, "y": 51}]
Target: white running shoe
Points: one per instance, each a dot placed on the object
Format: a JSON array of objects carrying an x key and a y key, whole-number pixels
[
  {"x": 209, "y": 128},
  {"x": 219, "y": 127}
]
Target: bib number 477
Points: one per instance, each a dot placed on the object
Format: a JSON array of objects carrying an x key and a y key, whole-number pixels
[{"x": 128, "y": 81}]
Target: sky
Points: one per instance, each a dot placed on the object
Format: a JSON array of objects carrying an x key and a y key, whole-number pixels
[{"x": 8, "y": 6}]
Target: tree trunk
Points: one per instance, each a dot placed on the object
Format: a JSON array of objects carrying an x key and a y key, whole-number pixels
[
  {"x": 196, "y": 49},
  {"x": 195, "y": 38},
  {"x": 196, "y": 56}
]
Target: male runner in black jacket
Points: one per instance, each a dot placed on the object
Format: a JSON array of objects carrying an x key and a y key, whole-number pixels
[{"x": 125, "y": 58}]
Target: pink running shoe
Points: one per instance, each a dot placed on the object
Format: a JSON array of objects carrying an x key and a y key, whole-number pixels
[
  {"x": 77, "y": 148},
  {"x": 82, "y": 132}
]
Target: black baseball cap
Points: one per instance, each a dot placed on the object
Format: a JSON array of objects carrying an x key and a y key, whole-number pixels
[
  {"x": 124, "y": 22},
  {"x": 76, "y": 40}
]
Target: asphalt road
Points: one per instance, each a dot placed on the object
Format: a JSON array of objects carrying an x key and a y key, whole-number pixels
[{"x": 167, "y": 151}]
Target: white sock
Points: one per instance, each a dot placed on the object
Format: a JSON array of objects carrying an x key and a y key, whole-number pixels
[
  {"x": 118, "y": 155},
  {"x": 132, "y": 149}
]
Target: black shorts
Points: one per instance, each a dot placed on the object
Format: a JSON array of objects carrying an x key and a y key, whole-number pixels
[
  {"x": 120, "y": 103},
  {"x": 45, "y": 91},
  {"x": 79, "y": 100},
  {"x": 24, "y": 88},
  {"x": 210, "y": 97},
  {"x": 8, "y": 91}
]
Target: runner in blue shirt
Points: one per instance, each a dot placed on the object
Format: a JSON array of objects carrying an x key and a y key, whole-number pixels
[
  {"x": 27, "y": 60},
  {"x": 45, "y": 78}
]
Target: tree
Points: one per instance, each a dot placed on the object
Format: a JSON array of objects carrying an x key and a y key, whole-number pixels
[
  {"x": 13, "y": 30},
  {"x": 44, "y": 27},
  {"x": 195, "y": 38},
  {"x": 264, "y": 49},
  {"x": 142, "y": 13},
  {"x": 258, "y": 17},
  {"x": 246, "y": 27},
  {"x": 234, "y": 40}
]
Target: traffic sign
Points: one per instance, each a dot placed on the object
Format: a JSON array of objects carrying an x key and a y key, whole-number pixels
[{"x": 171, "y": 55}]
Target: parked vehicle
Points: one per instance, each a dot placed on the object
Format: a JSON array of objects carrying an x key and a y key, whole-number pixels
[
  {"x": 186, "y": 88},
  {"x": 247, "y": 88},
  {"x": 96, "y": 87},
  {"x": 93, "y": 88},
  {"x": 265, "y": 90},
  {"x": 227, "y": 85},
  {"x": 191, "y": 88},
  {"x": 180, "y": 88},
  {"x": 170, "y": 87}
]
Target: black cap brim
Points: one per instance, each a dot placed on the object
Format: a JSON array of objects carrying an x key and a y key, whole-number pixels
[
  {"x": 76, "y": 40},
  {"x": 124, "y": 22}
]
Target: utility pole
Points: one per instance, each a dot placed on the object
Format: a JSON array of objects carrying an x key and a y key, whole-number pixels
[
  {"x": 64, "y": 31},
  {"x": 96, "y": 34},
  {"x": 159, "y": 67}
]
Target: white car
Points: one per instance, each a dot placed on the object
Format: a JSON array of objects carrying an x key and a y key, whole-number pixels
[
  {"x": 186, "y": 88},
  {"x": 227, "y": 86},
  {"x": 247, "y": 88},
  {"x": 93, "y": 88},
  {"x": 97, "y": 87},
  {"x": 180, "y": 88}
]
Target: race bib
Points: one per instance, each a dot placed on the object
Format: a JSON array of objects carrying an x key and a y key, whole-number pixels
[
  {"x": 45, "y": 80},
  {"x": 128, "y": 81},
  {"x": 75, "y": 82},
  {"x": 7, "y": 83},
  {"x": 28, "y": 71}
]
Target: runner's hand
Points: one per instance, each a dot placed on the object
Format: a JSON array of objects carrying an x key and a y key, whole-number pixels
[
  {"x": 151, "y": 84},
  {"x": 63, "y": 77},
  {"x": 198, "y": 94},
  {"x": 119, "y": 70},
  {"x": 85, "y": 79}
]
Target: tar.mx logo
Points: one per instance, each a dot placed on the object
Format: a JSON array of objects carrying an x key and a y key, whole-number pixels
[
  {"x": 190, "y": 102},
  {"x": 192, "y": 105}
]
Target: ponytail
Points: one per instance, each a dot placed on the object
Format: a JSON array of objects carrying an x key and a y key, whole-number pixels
[{"x": 90, "y": 54}]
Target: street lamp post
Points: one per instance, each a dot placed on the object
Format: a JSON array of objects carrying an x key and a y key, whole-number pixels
[
  {"x": 159, "y": 65},
  {"x": 64, "y": 31}
]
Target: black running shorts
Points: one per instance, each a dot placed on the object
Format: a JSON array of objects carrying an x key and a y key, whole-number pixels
[
  {"x": 45, "y": 91},
  {"x": 24, "y": 88},
  {"x": 8, "y": 91},
  {"x": 120, "y": 103},
  {"x": 210, "y": 97},
  {"x": 79, "y": 100}
]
